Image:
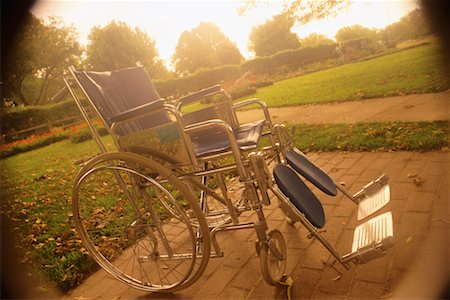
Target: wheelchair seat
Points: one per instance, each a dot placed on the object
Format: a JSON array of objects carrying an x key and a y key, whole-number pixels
[{"x": 211, "y": 141}]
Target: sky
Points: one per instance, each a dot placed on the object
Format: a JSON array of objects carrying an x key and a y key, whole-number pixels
[{"x": 164, "y": 21}]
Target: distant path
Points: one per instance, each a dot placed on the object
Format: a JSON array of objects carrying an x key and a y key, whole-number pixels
[{"x": 419, "y": 107}]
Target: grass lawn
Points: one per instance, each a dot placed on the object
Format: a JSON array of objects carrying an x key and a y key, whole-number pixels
[
  {"x": 36, "y": 185},
  {"x": 414, "y": 70},
  {"x": 36, "y": 196}
]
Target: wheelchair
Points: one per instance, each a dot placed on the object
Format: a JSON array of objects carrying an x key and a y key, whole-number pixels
[{"x": 171, "y": 175}]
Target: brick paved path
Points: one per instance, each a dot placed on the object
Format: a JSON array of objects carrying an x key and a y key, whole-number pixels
[{"x": 415, "y": 267}]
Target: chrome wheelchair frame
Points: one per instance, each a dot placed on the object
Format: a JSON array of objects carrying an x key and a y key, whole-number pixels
[{"x": 149, "y": 212}]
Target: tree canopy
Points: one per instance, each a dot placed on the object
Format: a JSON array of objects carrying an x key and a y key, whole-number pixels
[
  {"x": 41, "y": 52},
  {"x": 116, "y": 46},
  {"x": 412, "y": 25},
  {"x": 355, "y": 32},
  {"x": 204, "y": 47},
  {"x": 304, "y": 11},
  {"x": 273, "y": 36},
  {"x": 315, "y": 39}
]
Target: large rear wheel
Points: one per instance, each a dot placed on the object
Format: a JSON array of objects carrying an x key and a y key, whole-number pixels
[{"x": 135, "y": 219}]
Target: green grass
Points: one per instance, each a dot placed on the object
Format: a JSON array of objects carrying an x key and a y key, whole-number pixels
[
  {"x": 396, "y": 136},
  {"x": 36, "y": 195},
  {"x": 36, "y": 186},
  {"x": 415, "y": 70}
]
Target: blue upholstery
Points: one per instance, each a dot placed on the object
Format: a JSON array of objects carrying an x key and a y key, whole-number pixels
[
  {"x": 212, "y": 140},
  {"x": 311, "y": 172},
  {"x": 116, "y": 92},
  {"x": 299, "y": 194}
]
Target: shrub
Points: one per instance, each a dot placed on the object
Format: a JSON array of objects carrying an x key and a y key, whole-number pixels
[
  {"x": 31, "y": 144},
  {"x": 85, "y": 134},
  {"x": 199, "y": 80},
  {"x": 242, "y": 91},
  {"x": 289, "y": 59}
]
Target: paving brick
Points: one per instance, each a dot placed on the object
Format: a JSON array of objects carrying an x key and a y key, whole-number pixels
[
  {"x": 374, "y": 271},
  {"x": 315, "y": 256},
  {"x": 348, "y": 162},
  {"x": 305, "y": 282},
  {"x": 396, "y": 207},
  {"x": 400, "y": 190},
  {"x": 233, "y": 293},
  {"x": 216, "y": 283},
  {"x": 322, "y": 295},
  {"x": 348, "y": 180},
  {"x": 394, "y": 278},
  {"x": 434, "y": 168},
  {"x": 334, "y": 227},
  {"x": 298, "y": 240},
  {"x": 345, "y": 208},
  {"x": 262, "y": 290},
  {"x": 379, "y": 163},
  {"x": 359, "y": 167},
  {"x": 420, "y": 219},
  {"x": 332, "y": 282},
  {"x": 419, "y": 201},
  {"x": 428, "y": 183},
  {"x": 344, "y": 244},
  {"x": 406, "y": 250},
  {"x": 367, "y": 176},
  {"x": 366, "y": 290},
  {"x": 414, "y": 224}
]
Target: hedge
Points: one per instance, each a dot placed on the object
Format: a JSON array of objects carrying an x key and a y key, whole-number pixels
[
  {"x": 31, "y": 116},
  {"x": 293, "y": 59},
  {"x": 28, "y": 117},
  {"x": 197, "y": 81}
]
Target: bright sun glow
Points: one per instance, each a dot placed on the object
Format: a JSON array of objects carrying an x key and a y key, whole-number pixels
[{"x": 164, "y": 21}]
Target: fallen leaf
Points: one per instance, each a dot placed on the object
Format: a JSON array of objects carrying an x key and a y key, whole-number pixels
[
  {"x": 418, "y": 181},
  {"x": 409, "y": 175},
  {"x": 336, "y": 278}
]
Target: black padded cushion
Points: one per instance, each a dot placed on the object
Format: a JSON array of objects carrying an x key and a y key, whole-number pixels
[
  {"x": 212, "y": 140},
  {"x": 299, "y": 194},
  {"x": 311, "y": 172}
]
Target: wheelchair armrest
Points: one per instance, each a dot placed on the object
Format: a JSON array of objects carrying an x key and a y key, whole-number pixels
[
  {"x": 139, "y": 110},
  {"x": 261, "y": 103},
  {"x": 199, "y": 95}
]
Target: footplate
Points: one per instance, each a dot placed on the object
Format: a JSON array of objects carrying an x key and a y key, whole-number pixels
[
  {"x": 373, "y": 196},
  {"x": 372, "y": 239}
]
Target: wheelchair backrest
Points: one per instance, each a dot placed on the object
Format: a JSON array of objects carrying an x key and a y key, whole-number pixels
[{"x": 113, "y": 92}]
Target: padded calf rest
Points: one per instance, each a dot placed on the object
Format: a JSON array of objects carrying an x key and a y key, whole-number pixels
[
  {"x": 213, "y": 140},
  {"x": 299, "y": 194},
  {"x": 311, "y": 172}
]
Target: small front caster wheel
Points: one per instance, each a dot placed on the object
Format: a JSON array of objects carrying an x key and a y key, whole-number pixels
[{"x": 272, "y": 257}]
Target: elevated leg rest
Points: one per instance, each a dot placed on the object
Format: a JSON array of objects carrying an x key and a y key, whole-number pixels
[
  {"x": 299, "y": 194},
  {"x": 311, "y": 172}
]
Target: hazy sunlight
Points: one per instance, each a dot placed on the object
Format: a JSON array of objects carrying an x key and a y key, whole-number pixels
[{"x": 164, "y": 21}]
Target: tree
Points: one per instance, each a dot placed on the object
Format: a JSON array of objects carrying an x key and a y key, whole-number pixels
[
  {"x": 304, "y": 11},
  {"x": 315, "y": 39},
  {"x": 58, "y": 48},
  {"x": 273, "y": 36},
  {"x": 117, "y": 46},
  {"x": 355, "y": 32},
  {"x": 412, "y": 25},
  {"x": 41, "y": 53},
  {"x": 204, "y": 47}
]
